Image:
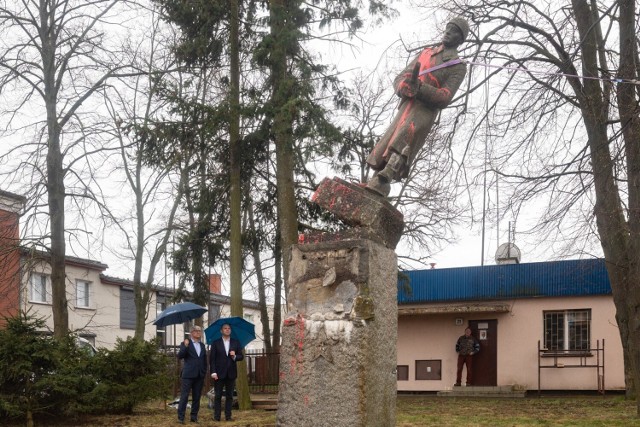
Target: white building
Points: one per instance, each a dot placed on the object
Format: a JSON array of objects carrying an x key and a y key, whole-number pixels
[{"x": 101, "y": 308}]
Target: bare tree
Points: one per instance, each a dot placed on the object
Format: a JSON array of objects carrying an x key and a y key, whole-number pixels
[
  {"x": 564, "y": 121},
  {"x": 133, "y": 107},
  {"x": 54, "y": 57}
]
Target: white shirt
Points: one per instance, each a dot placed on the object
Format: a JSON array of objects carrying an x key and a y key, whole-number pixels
[
  {"x": 227, "y": 344},
  {"x": 197, "y": 346}
]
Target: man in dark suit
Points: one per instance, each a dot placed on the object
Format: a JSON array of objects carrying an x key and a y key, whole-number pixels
[
  {"x": 194, "y": 353},
  {"x": 225, "y": 352}
]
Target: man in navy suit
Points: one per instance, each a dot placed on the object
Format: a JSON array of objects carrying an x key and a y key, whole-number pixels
[
  {"x": 194, "y": 370},
  {"x": 225, "y": 352}
]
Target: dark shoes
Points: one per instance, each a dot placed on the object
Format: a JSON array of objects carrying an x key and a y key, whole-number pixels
[
  {"x": 228, "y": 419},
  {"x": 457, "y": 385}
]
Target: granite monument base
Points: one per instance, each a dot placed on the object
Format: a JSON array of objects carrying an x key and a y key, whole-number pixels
[{"x": 338, "y": 357}]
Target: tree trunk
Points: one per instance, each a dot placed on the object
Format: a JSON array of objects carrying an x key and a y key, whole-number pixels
[
  {"x": 198, "y": 238},
  {"x": 618, "y": 239},
  {"x": 139, "y": 299},
  {"x": 244, "y": 399},
  {"x": 277, "y": 294},
  {"x": 630, "y": 122},
  {"x": 200, "y": 284},
  {"x": 55, "y": 177},
  {"x": 56, "y": 195},
  {"x": 282, "y": 128},
  {"x": 257, "y": 265},
  {"x": 146, "y": 289}
]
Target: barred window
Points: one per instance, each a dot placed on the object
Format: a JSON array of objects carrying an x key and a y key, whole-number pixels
[{"x": 567, "y": 330}]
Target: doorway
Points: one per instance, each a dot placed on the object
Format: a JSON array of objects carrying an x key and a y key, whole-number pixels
[{"x": 485, "y": 363}]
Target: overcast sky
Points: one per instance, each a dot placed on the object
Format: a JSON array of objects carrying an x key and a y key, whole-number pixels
[{"x": 383, "y": 48}]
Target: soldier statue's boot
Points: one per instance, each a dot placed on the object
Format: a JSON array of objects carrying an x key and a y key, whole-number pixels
[{"x": 381, "y": 182}]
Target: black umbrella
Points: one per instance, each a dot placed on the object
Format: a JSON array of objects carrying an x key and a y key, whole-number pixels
[{"x": 179, "y": 313}]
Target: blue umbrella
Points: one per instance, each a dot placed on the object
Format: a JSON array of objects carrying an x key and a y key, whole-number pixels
[
  {"x": 242, "y": 330},
  {"x": 179, "y": 313}
]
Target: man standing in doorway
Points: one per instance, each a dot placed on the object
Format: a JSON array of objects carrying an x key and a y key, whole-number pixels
[
  {"x": 225, "y": 352},
  {"x": 466, "y": 347},
  {"x": 194, "y": 353}
]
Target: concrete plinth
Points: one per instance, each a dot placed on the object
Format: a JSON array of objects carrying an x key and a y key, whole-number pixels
[
  {"x": 360, "y": 208},
  {"x": 338, "y": 356}
]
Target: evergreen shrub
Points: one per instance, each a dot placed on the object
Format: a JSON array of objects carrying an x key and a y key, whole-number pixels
[{"x": 133, "y": 373}]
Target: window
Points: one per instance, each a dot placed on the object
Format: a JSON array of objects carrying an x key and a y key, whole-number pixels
[
  {"x": 82, "y": 293},
  {"x": 160, "y": 306},
  {"x": 160, "y": 330},
  {"x": 39, "y": 289},
  {"x": 568, "y": 330},
  {"x": 127, "y": 309},
  {"x": 248, "y": 317},
  {"x": 215, "y": 312},
  {"x": 161, "y": 336}
]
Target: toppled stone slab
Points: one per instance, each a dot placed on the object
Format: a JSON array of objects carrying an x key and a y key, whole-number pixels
[{"x": 371, "y": 215}]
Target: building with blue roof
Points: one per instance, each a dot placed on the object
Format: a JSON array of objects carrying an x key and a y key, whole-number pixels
[{"x": 533, "y": 322}]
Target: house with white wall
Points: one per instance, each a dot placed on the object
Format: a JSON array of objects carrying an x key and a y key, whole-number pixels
[
  {"x": 548, "y": 324},
  {"x": 94, "y": 305},
  {"x": 101, "y": 307}
]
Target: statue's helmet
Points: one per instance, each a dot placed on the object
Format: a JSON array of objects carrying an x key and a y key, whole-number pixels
[{"x": 462, "y": 24}]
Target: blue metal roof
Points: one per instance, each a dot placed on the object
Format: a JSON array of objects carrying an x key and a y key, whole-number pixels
[{"x": 538, "y": 279}]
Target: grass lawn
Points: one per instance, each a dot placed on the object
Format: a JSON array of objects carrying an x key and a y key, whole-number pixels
[
  {"x": 545, "y": 411},
  {"x": 419, "y": 410}
]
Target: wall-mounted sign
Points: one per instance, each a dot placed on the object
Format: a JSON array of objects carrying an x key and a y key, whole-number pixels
[
  {"x": 483, "y": 326},
  {"x": 483, "y": 334}
]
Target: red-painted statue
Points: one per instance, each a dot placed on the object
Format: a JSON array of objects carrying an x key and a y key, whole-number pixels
[{"x": 425, "y": 87}]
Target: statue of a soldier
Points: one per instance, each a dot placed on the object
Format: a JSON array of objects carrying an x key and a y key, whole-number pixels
[{"x": 425, "y": 86}]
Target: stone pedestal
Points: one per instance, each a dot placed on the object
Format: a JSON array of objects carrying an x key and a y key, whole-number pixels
[{"x": 338, "y": 357}]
